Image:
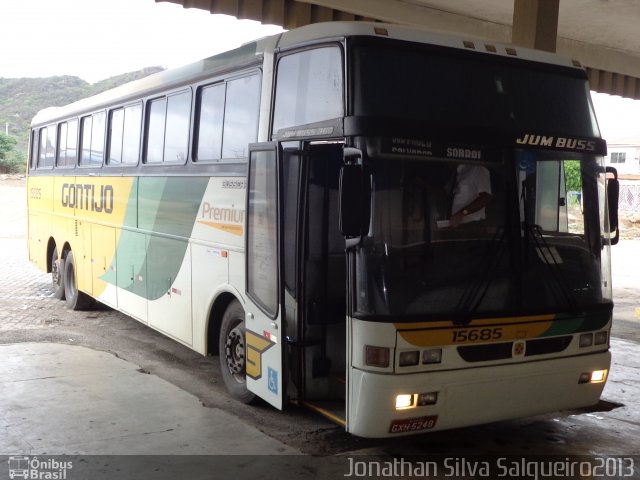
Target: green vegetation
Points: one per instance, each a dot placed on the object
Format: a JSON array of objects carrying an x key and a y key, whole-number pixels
[
  {"x": 573, "y": 176},
  {"x": 11, "y": 160},
  {"x": 22, "y": 98}
]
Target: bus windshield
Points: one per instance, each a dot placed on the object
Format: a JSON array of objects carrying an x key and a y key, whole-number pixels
[
  {"x": 538, "y": 246},
  {"x": 468, "y": 90}
]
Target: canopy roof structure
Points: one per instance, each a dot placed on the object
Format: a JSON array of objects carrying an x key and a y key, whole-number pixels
[{"x": 600, "y": 34}]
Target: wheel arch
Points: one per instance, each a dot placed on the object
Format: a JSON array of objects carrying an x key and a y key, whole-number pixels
[
  {"x": 51, "y": 246},
  {"x": 219, "y": 306}
]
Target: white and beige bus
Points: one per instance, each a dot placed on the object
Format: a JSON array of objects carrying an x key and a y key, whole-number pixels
[{"x": 287, "y": 207}]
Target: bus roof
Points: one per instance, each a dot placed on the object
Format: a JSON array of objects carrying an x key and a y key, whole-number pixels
[{"x": 251, "y": 52}]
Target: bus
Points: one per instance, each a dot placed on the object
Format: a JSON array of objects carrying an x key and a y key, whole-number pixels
[{"x": 286, "y": 206}]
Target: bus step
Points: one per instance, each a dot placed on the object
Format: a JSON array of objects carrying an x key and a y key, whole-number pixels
[{"x": 334, "y": 410}]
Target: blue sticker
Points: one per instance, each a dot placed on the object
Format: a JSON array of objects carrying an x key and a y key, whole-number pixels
[{"x": 272, "y": 380}]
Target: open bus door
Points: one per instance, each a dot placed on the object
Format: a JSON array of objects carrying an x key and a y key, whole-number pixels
[{"x": 264, "y": 330}]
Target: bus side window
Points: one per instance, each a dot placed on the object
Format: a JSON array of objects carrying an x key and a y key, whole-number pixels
[
  {"x": 227, "y": 119},
  {"x": 34, "y": 148},
  {"x": 92, "y": 136},
  {"x": 167, "y": 136},
  {"x": 124, "y": 135},
  {"x": 309, "y": 88},
  {"x": 67, "y": 143},
  {"x": 47, "y": 152}
]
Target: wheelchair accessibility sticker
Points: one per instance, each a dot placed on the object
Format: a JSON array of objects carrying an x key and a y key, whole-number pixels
[{"x": 272, "y": 380}]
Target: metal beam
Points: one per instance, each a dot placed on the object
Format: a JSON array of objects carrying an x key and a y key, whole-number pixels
[{"x": 535, "y": 24}]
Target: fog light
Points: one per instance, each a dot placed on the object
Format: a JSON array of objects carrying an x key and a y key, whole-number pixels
[
  {"x": 377, "y": 356},
  {"x": 404, "y": 401},
  {"x": 586, "y": 340},
  {"x": 432, "y": 356},
  {"x": 430, "y": 398},
  {"x": 409, "y": 358},
  {"x": 597, "y": 376},
  {"x": 600, "y": 338}
]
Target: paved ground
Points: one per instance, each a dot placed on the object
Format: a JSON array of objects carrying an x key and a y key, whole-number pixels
[{"x": 48, "y": 404}]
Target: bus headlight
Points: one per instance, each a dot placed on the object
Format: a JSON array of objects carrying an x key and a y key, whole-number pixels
[
  {"x": 404, "y": 401},
  {"x": 432, "y": 356},
  {"x": 600, "y": 338},
  {"x": 409, "y": 358},
  {"x": 586, "y": 340}
]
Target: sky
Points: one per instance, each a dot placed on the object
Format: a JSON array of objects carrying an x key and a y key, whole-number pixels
[{"x": 97, "y": 39}]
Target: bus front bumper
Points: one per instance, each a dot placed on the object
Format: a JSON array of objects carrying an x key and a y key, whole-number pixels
[{"x": 471, "y": 396}]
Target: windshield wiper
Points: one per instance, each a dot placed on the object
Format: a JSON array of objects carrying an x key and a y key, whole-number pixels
[
  {"x": 549, "y": 257},
  {"x": 477, "y": 289}
]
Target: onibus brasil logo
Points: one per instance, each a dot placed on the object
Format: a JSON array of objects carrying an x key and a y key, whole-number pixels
[{"x": 33, "y": 468}]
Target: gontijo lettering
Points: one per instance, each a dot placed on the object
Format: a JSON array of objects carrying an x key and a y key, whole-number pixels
[{"x": 88, "y": 197}]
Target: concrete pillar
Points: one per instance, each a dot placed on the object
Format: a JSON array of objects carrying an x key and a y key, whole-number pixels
[{"x": 535, "y": 24}]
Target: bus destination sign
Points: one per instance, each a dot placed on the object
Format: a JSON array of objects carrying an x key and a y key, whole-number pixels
[{"x": 415, "y": 147}]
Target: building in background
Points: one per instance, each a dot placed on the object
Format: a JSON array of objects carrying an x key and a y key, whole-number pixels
[{"x": 624, "y": 155}]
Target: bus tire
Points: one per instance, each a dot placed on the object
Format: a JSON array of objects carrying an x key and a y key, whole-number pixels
[
  {"x": 76, "y": 300},
  {"x": 57, "y": 275},
  {"x": 232, "y": 353}
]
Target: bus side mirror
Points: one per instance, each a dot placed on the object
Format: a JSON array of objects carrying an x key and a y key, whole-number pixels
[
  {"x": 355, "y": 196},
  {"x": 613, "y": 193}
]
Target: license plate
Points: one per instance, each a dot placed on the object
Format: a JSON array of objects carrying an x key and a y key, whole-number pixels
[{"x": 413, "y": 424}]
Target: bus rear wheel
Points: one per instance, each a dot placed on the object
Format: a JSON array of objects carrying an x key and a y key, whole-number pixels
[
  {"x": 76, "y": 300},
  {"x": 232, "y": 350},
  {"x": 57, "y": 275}
]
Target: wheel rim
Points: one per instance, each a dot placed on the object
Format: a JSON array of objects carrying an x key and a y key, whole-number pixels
[
  {"x": 55, "y": 273},
  {"x": 235, "y": 353}
]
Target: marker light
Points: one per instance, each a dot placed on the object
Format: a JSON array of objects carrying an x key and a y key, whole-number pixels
[
  {"x": 600, "y": 338},
  {"x": 586, "y": 340},
  {"x": 430, "y": 398},
  {"x": 409, "y": 358},
  {"x": 404, "y": 401},
  {"x": 432, "y": 356},
  {"x": 377, "y": 356}
]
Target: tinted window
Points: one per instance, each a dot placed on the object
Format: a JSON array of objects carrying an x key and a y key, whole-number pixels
[
  {"x": 155, "y": 131},
  {"x": 47, "y": 147},
  {"x": 168, "y": 128},
  {"x": 262, "y": 222},
  {"x": 92, "y": 128},
  {"x": 67, "y": 143},
  {"x": 97, "y": 139},
  {"x": 210, "y": 123},
  {"x": 228, "y": 119},
  {"x": 116, "y": 126},
  {"x": 131, "y": 134},
  {"x": 241, "y": 116},
  {"x": 177, "y": 129},
  {"x": 85, "y": 158},
  {"x": 309, "y": 88},
  {"x": 476, "y": 92}
]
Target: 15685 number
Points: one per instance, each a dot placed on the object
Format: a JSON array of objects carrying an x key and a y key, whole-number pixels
[{"x": 477, "y": 335}]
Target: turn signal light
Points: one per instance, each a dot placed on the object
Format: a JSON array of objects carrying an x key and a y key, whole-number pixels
[{"x": 377, "y": 356}]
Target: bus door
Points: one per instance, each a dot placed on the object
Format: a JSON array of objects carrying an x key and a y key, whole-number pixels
[
  {"x": 314, "y": 264},
  {"x": 264, "y": 330}
]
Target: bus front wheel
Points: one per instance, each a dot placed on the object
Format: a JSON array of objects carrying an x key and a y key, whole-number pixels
[
  {"x": 232, "y": 350},
  {"x": 76, "y": 300},
  {"x": 57, "y": 275}
]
